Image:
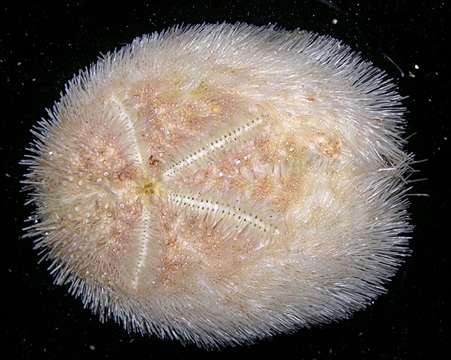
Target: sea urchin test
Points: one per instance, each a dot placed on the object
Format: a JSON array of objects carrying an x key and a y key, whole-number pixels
[{"x": 221, "y": 183}]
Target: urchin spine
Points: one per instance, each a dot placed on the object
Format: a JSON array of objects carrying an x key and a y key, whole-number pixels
[{"x": 328, "y": 218}]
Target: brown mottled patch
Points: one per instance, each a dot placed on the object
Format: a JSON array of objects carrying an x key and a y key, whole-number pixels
[
  {"x": 126, "y": 172},
  {"x": 328, "y": 145},
  {"x": 101, "y": 161},
  {"x": 152, "y": 161},
  {"x": 266, "y": 149},
  {"x": 289, "y": 191},
  {"x": 263, "y": 187},
  {"x": 169, "y": 270},
  {"x": 262, "y": 143},
  {"x": 238, "y": 184},
  {"x": 227, "y": 167}
]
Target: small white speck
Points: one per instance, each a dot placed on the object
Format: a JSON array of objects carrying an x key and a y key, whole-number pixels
[
  {"x": 19, "y": 63},
  {"x": 445, "y": 138},
  {"x": 237, "y": 161},
  {"x": 221, "y": 174},
  {"x": 92, "y": 347},
  {"x": 334, "y": 21},
  {"x": 416, "y": 67}
]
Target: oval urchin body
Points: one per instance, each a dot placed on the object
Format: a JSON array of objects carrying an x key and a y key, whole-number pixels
[{"x": 220, "y": 183}]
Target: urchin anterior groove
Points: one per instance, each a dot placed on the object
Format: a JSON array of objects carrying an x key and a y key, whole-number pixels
[
  {"x": 129, "y": 124},
  {"x": 219, "y": 199}
]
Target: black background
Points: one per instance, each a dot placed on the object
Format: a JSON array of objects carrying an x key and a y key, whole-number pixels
[{"x": 42, "y": 46}]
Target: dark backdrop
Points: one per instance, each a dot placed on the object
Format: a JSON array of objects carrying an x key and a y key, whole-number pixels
[{"x": 42, "y": 46}]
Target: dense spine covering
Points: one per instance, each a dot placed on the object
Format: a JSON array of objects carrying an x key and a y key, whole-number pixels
[{"x": 221, "y": 183}]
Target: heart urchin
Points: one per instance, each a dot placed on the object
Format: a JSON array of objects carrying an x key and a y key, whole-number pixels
[{"x": 220, "y": 183}]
